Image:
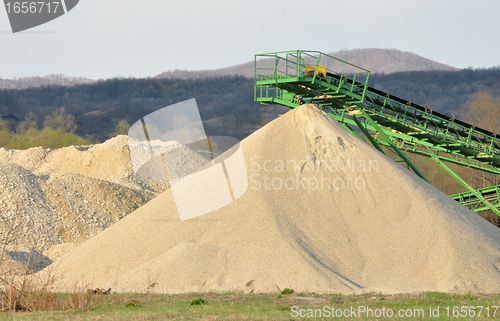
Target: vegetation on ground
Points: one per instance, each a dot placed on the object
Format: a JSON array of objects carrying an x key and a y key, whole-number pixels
[
  {"x": 58, "y": 131},
  {"x": 240, "y": 306},
  {"x": 227, "y": 102},
  {"x": 287, "y": 291}
]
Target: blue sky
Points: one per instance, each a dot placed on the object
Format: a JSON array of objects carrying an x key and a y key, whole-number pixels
[{"x": 109, "y": 38}]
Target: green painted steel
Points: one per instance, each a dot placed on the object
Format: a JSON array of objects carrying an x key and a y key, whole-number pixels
[
  {"x": 394, "y": 147},
  {"x": 367, "y": 134},
  {"x": 416, "y": 146},
  {"x": 292, "y": 78},
  {"x": 469, "y": 199},
  {"x": 472, "y": 192}
]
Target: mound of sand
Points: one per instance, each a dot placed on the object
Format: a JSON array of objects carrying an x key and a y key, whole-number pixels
[{"x": 324, "y": 212}]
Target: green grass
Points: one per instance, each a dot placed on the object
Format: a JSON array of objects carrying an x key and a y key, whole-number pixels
[{"x": 239, "y": 306}]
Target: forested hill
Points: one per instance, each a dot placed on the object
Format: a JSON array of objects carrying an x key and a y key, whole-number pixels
[
  {"x": 226, "y": 103},
  {"x": 444, "y": 91}
]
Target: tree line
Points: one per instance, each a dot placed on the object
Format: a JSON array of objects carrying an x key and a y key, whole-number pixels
[{"x": 226, "y": 103}]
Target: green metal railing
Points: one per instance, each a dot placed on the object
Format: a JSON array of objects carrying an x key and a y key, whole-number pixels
[
  {"x": 274, "y": 71},
  {"x": 426, "y": 124}
]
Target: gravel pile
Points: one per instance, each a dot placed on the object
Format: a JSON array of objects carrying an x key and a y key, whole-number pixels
[
  {"x": 86, "y": 206},
  {"x": 50, "y": 197},
  {"x": 27, "y": 216}
]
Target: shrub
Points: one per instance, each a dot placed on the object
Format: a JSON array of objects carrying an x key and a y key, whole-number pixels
[{"x": 198, "y": 301}]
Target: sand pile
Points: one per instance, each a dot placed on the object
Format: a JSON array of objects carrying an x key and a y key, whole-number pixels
[{"x": 323, "y": 212}]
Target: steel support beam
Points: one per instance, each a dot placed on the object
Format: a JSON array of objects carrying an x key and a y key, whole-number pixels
[
  {"x": 367, "y": 134},
  {"x": 396, "y": 149},
  {"x": 470, "y": 188}
]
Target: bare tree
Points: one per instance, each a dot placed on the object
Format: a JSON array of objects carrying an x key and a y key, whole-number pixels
[
  {"x": 59, "y": 120},
  {"x": 483, "y": 110},
  {"x": 30, "y": 122}
]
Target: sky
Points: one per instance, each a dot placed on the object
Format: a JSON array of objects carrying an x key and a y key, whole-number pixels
[{"x": 122, "y": 38}]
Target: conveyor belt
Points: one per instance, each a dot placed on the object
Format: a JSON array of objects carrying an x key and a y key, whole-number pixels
[{"x": 394, "y": 122}]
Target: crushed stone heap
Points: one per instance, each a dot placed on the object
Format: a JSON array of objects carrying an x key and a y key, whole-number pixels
[
  {"x": 50, "y": 197},
  {"x": 323, "y": 212}
]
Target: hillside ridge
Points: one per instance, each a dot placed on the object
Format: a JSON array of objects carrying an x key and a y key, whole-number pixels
[{"x": 376, "y": 60}]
